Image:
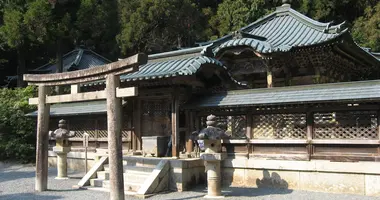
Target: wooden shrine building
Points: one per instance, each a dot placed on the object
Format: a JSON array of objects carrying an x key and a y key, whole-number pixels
[{"x": 293, "y": 94}]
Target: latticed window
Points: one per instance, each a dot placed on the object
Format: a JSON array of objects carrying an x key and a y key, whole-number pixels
[
  {"x": 156, "y": 117},
  {"x": 346, "y": 125},
  {"x": 235, "y": 126},
  {"x": 279, "y": 126},
  {"x": 83, "y": 126}
]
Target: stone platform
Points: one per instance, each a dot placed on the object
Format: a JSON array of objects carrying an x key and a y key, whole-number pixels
[{"x": 185, "y": 174}]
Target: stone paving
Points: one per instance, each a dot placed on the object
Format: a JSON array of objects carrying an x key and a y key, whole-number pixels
[{"x": 17, "y": 182}]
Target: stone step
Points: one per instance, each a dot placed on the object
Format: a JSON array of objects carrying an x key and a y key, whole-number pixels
[
  {"x": 95, "y": 182},
  {"x": 106, "y": 167},
  {"x": 127, "y": 186},
  {"x": 102, "y": 151},
  {"x": 138, "y": 169},
  {"x": 105, "y": 175},
  {"x": 132, "y": 186},
  {"x": 135, "y": 177}
]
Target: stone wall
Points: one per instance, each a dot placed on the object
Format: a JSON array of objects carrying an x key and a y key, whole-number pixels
[
  {"x": 75, "y": 160},
  {"x": 316, "y": 175},
  {"x": 186, "y": 174}
]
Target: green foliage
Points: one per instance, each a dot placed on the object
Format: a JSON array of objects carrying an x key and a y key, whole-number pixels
[
  {"x": 366, "y": 29},
  {"x": 97, "y": 26},
  {"x": 17, "y": 132},
  {"x": 158, "y": 25},
  {"x": 234, "y": 14},
  {"x": 12, "y": 32},
  {"x": 118, "y": 28}
]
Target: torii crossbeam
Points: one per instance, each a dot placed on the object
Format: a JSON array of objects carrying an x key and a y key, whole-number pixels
[{"x": 111, "y": 72}]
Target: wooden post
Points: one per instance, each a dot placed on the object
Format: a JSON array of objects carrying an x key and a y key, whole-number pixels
[
  {"x": 317, "y": 78},
  {"x": 175, "y": 124},
  {"x": 191, "y": 121},
  {"x": 309, "y": 131},
  {"x": 198, "y": 126},
  {"x": 249, "y": 130},
  {"x": 269, "y": 78},
  {"x": 42, "y": 140},
  {"x": 378, "y": 130},
  {"x": 136, "y": 137},
  {"x": 114, "y": 109},
  {"x": 189, "y": 142},
  {"x": 74, "y": 89},
  {"x": 249, "y": 125},
  {"x": 96, "y": 133}
]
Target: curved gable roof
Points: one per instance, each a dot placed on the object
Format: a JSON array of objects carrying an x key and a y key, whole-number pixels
[
  {"x": 287, "y": 27},
  {"x": 170, "y": 68},
  {"x": 75, "y": 60},
  {"x": 282, "y": 30}
]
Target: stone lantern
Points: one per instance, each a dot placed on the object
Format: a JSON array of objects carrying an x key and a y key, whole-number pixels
[
  {"x": 213, "y": 156},
  {"x": 62, "y": 147}
]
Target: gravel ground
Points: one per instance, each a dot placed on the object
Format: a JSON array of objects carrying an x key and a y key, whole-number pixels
[{"x": 17, "y": 182}]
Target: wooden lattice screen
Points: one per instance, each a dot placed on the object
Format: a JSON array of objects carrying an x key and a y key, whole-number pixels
[
  {"x": 156, "y": 116},
  {"x": 81, "y": 126},
  {"x": 96, "y": 128},
  {"x": 279, "y": 126},
  {"x": 235, "y": 125},
  {"x": 346, "y": 125}
]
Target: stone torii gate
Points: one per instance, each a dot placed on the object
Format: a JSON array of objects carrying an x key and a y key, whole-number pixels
[{"x": 111, "y": 72}]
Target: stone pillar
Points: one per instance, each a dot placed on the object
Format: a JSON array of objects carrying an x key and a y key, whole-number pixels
[
  {"x": 42, "y": 140},
  {"x": 213, "y": 179},
  {"x": 114, "y": 138}
]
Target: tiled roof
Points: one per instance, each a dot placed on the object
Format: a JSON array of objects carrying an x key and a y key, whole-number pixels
[
  {"x": 342, "y": 92},
  {"x": 75, "y": 60},
  {"x": 283, "y": 30},
  {"x": 76, "y": 108},
  {"x": 170, "y": 68}
]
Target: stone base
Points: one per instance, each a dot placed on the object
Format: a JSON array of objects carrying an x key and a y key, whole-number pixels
[
  {"x": 361, "y": 178},
  {"x": 213, "y": 197},
  {"x": 61, "y": 178}
]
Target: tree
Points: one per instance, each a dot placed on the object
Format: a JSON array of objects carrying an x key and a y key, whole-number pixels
[
  {"x": 234, "y": 14},
  {"x": 158, "y": 25},
  {"x": 97, "y": 26},
  {"x": 366, "y": 29},
  {"x": 51, "y": 25},
  {"x": 14, "y": 34},
  {"x": 17, "y": 132}
]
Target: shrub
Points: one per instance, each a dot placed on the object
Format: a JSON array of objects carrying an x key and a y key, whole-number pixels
[{"x": 17, "y": 132}]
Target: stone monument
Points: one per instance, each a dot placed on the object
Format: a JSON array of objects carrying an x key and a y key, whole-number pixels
[
  {"x": 213, "y": 156},
  {"x": 62, "y": 147}
]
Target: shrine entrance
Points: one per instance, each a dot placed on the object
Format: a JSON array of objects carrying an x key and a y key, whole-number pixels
[{"x": 112, "y": 93}]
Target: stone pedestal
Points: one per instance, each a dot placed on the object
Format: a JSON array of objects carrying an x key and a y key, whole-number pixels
[
  {"x": 213, "y": 158},
  {"x": 61, "y": 149},
  {"x": 213, "y": 155}
]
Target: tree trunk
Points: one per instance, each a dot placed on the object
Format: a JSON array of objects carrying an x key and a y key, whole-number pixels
[
  {"x": 59, "y": 68},
  {"x": 21, "y": 67}
]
